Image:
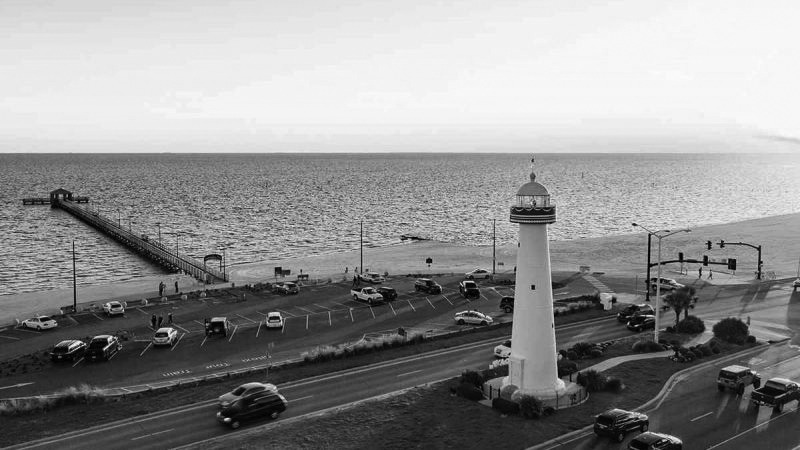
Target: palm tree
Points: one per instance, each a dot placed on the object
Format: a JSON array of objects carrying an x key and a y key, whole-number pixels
[{"x": 680, "y": 300}]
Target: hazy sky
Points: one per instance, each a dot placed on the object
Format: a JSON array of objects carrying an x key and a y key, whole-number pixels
[{"x": 493, "y": 75}]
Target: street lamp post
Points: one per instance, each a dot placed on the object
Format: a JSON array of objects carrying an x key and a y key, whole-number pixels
[
  {"x": 158, "y": 224},
  {"x": 494, "y": 245},
  {"x": 361, "y": 267},
  {"x": 660, "y": 234}
]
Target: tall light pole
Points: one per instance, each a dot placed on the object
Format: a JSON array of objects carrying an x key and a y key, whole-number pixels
[
  {"x": 158, "y": 224},
  {"x": 361, "y": 267},
  {"x": 494, "y": 245},
  {"x": 660, "y": 234},
  {"x": 74, "y": 282}
]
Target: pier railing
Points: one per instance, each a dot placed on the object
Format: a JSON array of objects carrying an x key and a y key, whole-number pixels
[{"x": 142, "y": 245}]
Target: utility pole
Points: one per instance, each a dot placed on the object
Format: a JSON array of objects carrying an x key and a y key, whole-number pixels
[
  {"x": 647, "y": 281},
  {"x": 74, "y": 282},
  {"x": 361, "y": 267},
  {"x": 494, "y": 245}
]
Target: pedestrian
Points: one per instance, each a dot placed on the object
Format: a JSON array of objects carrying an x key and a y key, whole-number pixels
[
  {"x": 161, "y": 289},
  {"x": 748, "y": 321},
  {"x": 160, "y": 321},
  {"x": 355, "y": 281},
  {"x": 710, "y": 274},
  {"x": 700, "y": 272},
  {"x": 345, "y": 270},
  {"x": 176, "y": 286},
  {"x": 169, "y": 318},
  {"x": 153, "y": 322}
]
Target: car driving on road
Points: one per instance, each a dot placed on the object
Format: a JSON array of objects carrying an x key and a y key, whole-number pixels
[
  {"x": 262, "y": 404},
  {"x": 667, "y": 284},
  {"x": 245, "y": 390},
  {"x": 478, "y": 274},
  {"x": 503, "y": 350},
  {"x": 39, "y": 323},
  {"x": 286, "y": 288},
  {"x": 616, "y": 423},
  {"x": 472, "y": 317},
  {"x": 655, "y": 441},
  {"x": 641, "y": 322}
]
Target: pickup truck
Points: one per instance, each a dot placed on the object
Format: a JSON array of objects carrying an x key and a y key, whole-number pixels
[
  {"x": 776, "y": 392},
  {"x": 367, "y": 294}
]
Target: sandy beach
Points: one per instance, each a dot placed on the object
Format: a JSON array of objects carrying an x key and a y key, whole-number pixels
[{"x": 621, "y": 254}]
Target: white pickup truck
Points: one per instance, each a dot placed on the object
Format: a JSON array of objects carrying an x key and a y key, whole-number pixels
[{"x": 367, "y": 294}]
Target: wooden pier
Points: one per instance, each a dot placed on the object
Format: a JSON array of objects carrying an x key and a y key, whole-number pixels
[{"x": 141, "y": 245}]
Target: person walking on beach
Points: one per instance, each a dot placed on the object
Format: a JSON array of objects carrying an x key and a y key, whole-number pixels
[
  {"x": 345, "y": 270},
  {"x": 153, "y": 322},
  {"x": 700, "y": 272},
  {"x": 710, "y": 274},
  {"x": 176, "y": 286},
  {"x": 161, "y": 286}
]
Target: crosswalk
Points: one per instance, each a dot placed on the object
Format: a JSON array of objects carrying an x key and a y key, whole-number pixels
[{"x": 597, "y": 284}]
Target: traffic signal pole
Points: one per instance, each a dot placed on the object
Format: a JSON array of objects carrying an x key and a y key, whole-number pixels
[{"x": 759, "y": 263}]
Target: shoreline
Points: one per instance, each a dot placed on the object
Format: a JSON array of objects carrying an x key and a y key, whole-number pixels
[{"x": 617, "y": 254}]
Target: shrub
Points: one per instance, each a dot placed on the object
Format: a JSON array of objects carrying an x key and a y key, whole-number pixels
[
  {"x": 646, "y": 346},
  {"x": 691, "y": 325},
  {"x": 507, "y": 391},
  {"x": 614, "y": 385},
  {"x": 595, "y": 353},
  {"x": 563, "y": 353},
  {"x": 571, "y": 354},
  {"x": 469, "y": 391},
  {"x": 530, "y": 407},
  {"x": 670, "y": 329},
  {"x": 581, "y": 348},
  {"x": 751, "y": 339},
  {"x": 496, "y": 372},
  {"x": 566, "y": 367},
  {"x": 706, "y": 350},
  {"x": 592, "y": 380},
  {"x": 505, "y": 406},
  {"x": 697, "y": 352},
  {"x": 731, "y": 329},
  {"x": 472, "y": 377}
]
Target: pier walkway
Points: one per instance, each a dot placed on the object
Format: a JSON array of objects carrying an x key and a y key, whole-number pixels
[{"x": 141, "y": 245}]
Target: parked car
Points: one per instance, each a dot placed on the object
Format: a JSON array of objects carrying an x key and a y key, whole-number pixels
[
  {"x": 667, "y": 284},
  {"x": 503, "y": 350},
  {"x": 616, "y": 423},
  {"x": 388, "y": 293},
  {"x": 655, "y": 441},
  {"x": 478, "y": 274},
  {"x": 103, "y": 346},
  {"x": 39, "y": 323},
  {"x": 217, "y": 325},
  {"x": 369, "y": 277},
  {"x": 254, "y": 406},
  {"x": 245, "y": 390},
  {"x": 641, "y": 322},
  {"x": 472, "y": 317},
  {"x": 114, "y": 309},
  {"x": 68, "y": 350},
  {"x": 630, "y": 310},
  {"x": 427, "y": 285},
  {"x": 796, "y": 284},
  {"x": 737, "y": 377},
  {"x": 469, "y": 289},
  {"x": 507, "y": 304},
  {"x": 165, "y": 336},
  {"x": 274, "y": 320},
  {"x": 286, "y": 288}
]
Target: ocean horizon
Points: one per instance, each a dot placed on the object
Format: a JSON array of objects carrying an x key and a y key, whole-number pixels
[{"x": 257, "y": 207}]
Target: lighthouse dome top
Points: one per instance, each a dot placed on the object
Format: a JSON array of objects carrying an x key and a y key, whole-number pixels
[{"x": 532, "y": 188}]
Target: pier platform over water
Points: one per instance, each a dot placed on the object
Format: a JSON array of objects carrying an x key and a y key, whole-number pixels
[{"x": 141, "y": 245}]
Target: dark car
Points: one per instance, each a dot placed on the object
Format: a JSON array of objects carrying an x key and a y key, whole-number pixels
[
  {"x": 469, "y": 289},
  {"x": 286, "y": 288},
  {"x": 631, "y": 310},
  {"x": 616, "y": 423},
  {"x": 388, "y": 293},
  {"x": 638, "y": 322},
  {"x": 217, "y": 325},
  {"x": 655, "y": 441},
  {"x": 103, "y": 347},
  {"x": 68, "y": 350},
  {"x": 507, "y": 304},
  {"x": 261, "y": 404},
  {"x": 427, "y": 285}
]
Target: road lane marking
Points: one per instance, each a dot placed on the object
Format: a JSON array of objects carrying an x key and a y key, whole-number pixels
[
  {"x": 178, "y": 326},
  {"x": 700, "y": 417},
  {"x": 390, "y": 306},
  {"x": 204, "y": 341},
  {"x": 200, "y": 323},
  {"x": 448, "y": 300},
  {"x": 780, "y": 362},
  {"x": 9, "y": 337},
  {"x": 246, "y": 318},
  {"x": 306, "y": 321},
  {"x": 301, "y": 398},
  {"x": 149, "y": 344},
  {"x": 373, "y": 311},
  {"x": 101, "y": 319},
  {"x": 140, "y": 310},
  {"x": 429, "y": 302},
  {"x": 263, "y": 314},
  {"x": 152, "y": 434},
  {"x": 409, "y": 373},
  {"x": 235, "y": 327},
  {"x": 751, "y": 429},
  {"x": 78, "y": 361},
  {"x": 351, "y": 315},
  {"x": 330, "y": 324},
  {"x": 342, "y": 305},
  {"x": 16, "y": 385},
  {"x": 305, "y": 309},
  {"x": 412, "y": 306}
]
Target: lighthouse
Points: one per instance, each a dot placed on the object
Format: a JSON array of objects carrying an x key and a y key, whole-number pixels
[{"x": 532, "y": 364}]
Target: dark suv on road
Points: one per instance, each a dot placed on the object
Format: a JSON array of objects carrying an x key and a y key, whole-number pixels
[
  {"x": 631, "y": 310},
  {"x": 427, "y": 285},
  {"x": 616, "y": 423},
  {"x": 260, "y": 404},
  {"x": 640, "y": 322}
]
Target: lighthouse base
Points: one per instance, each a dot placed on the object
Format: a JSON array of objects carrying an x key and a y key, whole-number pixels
[
  {"x": 555, "y": 389},
  {"x": 562, "y": 395}
]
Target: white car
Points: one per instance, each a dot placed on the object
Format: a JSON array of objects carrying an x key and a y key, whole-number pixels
[
  {"x": 114, "y": 309},
  {"x": 503, "y": 350},
  {"x": 374, "y": 278},
  {"x": 472, "y": 317},
  {"x": 165, "y": 336},
  {"x": 39, "y": 323},
  {"x": 478, "y": 274},
  {"x": 274, "y": 320}
]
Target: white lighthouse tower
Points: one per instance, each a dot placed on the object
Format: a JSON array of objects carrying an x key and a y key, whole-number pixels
[{"x": 532, "y": 364}]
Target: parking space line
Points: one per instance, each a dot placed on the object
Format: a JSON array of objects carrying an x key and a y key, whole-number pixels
[
  {"x": 28, "y": 331},
  {"x": 78, "y": 361},
  {"x": 263, "y": 314},
  {"x": 179, "y": 341},
  {"x": 285, "y": 313},
  {"x": 204, "y": 341},
  {"x": 412, "y": 306},
  {"x": 390, "y": 306},
  {"x": 306, "y": 321},
  {"x": 448, "y": 300},
  {"x": 351, "y": 315},
  {"x": 429, "y": 302},
  {"x": 304, "y": 309},
  {"x": 246, "y": 318},
  {"x": 101, "y": 319},
  {"x": 235, "y": 327},
  {"x": 342, "y": 304},
  {"x": 372, "y": 311},
  {"x": 149, "y": 344},
  {"x": 9, "y": 337},
  {"x": 200, "y": 323},
  {"x": 283, "y": 326},
  {"x": 178, "y": 326},
  {"x": 330, "y": 323},
  {"x": 259, "y": 328},
  {"x": 140, "y": 310},
  {"x": 321, "y": 306}
]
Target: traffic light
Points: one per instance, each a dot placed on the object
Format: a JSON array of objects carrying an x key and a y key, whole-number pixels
[
  {"x": 731, "y": 263},
  {"x": 721, "y": 243},
  {"x": 680, "y": 256},
  {"x": 708, "y": 244},
  {"x": 705, "y": 260}
]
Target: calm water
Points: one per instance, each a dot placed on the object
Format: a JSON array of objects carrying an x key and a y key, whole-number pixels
[{"x": 271, "y": 206}]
